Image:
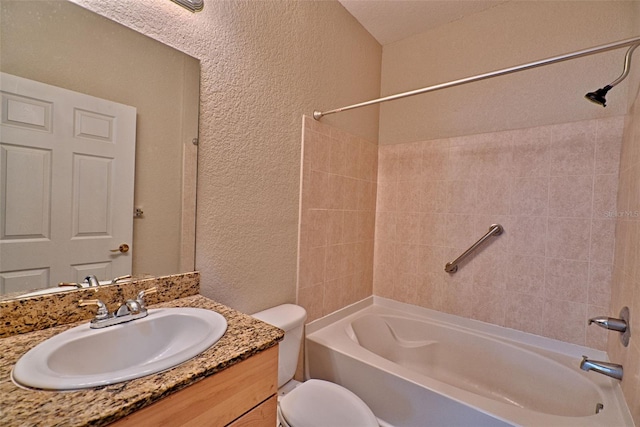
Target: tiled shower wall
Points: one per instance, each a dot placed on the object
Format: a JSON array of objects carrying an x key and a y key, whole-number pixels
[
  {"x": 552, "y": 188},
  {"x": 625, "y": 290},
  {"x": 337, "y": 219}
]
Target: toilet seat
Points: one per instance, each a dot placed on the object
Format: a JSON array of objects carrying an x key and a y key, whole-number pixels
[{"x": 318, "y": 403}]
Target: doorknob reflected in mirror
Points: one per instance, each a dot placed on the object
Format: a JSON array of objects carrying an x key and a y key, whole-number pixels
[{"x": 124, "y": 248}]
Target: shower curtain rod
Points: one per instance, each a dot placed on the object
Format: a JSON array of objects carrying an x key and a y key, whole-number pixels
[{"x": 567, "y": 56}]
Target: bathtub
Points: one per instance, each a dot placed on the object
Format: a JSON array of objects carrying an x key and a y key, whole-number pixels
[{"x": 418, "y": 367}]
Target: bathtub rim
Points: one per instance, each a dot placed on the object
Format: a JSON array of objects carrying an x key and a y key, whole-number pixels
[
  {"x": 524, "y": 339},
  {"x": 499, "y": 332}
]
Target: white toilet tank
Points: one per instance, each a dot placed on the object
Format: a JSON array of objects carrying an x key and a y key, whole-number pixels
[{"x": 290, "y": 318}]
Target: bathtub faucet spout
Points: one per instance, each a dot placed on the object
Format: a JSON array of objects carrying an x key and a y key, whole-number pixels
[{"x": 605, "y": 368}]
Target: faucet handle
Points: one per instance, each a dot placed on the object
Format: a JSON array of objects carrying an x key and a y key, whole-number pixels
[
  {"x": 102, "y": 312},
  {"x": 610, "y": 323},
  {"x": 621, "y": 324},
  {"x": 64, "y": 284},
  {"x": 143, "y": 294},
  {"x": 129, "y": 307},
  {"x": 120, "y": 279}
]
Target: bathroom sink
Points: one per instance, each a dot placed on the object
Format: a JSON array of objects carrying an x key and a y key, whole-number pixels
[{"x": 82, "y": 357}]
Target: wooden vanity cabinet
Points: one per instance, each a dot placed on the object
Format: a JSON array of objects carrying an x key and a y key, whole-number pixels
[{"x": 239, "y": 396}]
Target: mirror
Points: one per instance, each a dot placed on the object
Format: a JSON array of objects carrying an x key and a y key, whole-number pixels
[{"x": 61, "y": 44}]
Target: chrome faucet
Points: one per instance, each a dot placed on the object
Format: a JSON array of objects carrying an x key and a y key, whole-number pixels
[
  {"x": 605, "y": 368},
  {"x": 613, "y": 324},
  {"x": 92, "y": 281},
  {"x": 130, "y": 310}
]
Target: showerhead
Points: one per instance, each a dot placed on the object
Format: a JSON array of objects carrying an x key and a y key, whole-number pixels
[{"x": 598, "y": 96}]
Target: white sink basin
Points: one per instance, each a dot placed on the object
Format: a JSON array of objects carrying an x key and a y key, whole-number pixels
[{"x": 83, "y": 357}]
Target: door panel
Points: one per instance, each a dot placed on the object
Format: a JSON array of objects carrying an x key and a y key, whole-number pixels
[
  {"x": 26, "y": 280},
  {"x": 27, "y": 187}
]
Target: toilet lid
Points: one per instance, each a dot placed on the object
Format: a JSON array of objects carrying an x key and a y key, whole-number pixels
[{"x": 317, "y": 403}]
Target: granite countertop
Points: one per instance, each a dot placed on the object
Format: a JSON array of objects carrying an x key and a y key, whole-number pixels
[{"x": 245, "y": 336}]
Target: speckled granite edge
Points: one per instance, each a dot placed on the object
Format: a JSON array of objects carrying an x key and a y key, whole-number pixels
[
  {"x": 22, "y": 315},
  {"x": 245, "y": 336}
]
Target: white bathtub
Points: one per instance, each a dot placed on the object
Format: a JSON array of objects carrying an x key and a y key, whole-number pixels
[{"x": 419, "y": 367}]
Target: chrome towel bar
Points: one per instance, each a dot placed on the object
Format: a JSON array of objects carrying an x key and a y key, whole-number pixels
[{"x": 494, "y": 230}]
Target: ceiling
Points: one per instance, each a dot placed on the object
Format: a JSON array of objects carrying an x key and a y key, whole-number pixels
[{"x": 392, "y": 20}]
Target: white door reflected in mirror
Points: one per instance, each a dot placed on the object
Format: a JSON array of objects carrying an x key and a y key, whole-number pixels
[{"x": 62, "y": 224}]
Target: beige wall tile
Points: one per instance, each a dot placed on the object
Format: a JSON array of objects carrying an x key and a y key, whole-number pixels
[
  {"x": 565, "y": 320},
  {"x": 316, "y": 152},
  {"x": 408, "y": 227},
  {"x": 388, "y": 164},
  {"x": 318, "y": 190},
  {"x": 530, "y": 196},
  {"x": 572, "y": 149},
  {"x": 316, "y": 222},
  {"x": 553, "y": 190},
  {"x": 387, "y": 198},
  {"x": 604, "y": 196},
  {"x": 408, "y": 196},
  {"x": 460, "y": 232},
  {"x": 489, "y": 270},
  {"x": 600, "y": 276},
  {"x": 433, "y": 196},
  {"x": 568, "y": 238},
  {"x": 567, "y": 280},
  {"x": 493, "y": 195},
  {"x": 526, "y": 275},
  {"x": 523, "y": 312},
  {"x": 463, "y": 159},
  {"x": 602, "y": 241},
  {"x": 409, "y": 162},
  {"x": 571, "y": 196},
  {"x": 490, "y": 305},
  {"x": 312, "y": 266},
  {"x": 461, "y": 196},
  {"x": 528, "y": 235},
  {"x": 435, "y": 158},
  {"x": 337, "y": 222},
  {"x": 433, "y": 229},
  {"x": 311, "y": 298},
  {"x": 531, "y": 152},
  {"x": 609, "y": 134}
]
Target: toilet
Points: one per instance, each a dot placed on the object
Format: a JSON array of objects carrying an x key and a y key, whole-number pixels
[{"x": 313, "y": 403}]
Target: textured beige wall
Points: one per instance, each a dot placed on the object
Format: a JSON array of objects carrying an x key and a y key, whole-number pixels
[
  {"x": 513, "y": 33},
  {"x": 263, "y": 65},
  {"x": 61, "y": 44}
]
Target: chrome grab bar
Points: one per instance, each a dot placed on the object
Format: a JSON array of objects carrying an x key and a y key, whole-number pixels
[{"x": 494, "y": 230}]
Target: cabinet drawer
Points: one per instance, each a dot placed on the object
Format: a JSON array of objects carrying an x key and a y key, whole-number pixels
[{"x": 216, "y": 400}]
